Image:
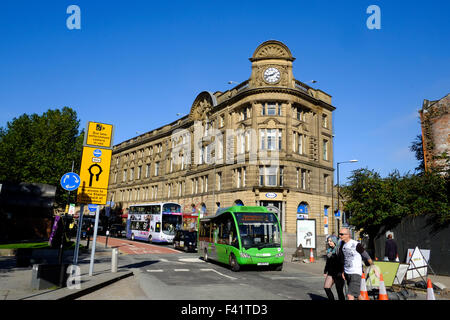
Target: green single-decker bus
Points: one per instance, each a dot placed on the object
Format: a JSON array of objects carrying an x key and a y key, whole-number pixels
[{"x": 242, "y": 235}]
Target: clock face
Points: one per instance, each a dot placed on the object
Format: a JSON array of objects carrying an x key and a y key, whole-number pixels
[{"x": 272, "y": 75}]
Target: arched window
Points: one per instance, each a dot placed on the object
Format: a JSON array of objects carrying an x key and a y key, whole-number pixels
[{"x": 302, "y": 208}]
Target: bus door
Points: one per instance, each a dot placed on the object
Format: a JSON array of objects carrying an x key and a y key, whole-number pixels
[{"x": 155, "y": 227}]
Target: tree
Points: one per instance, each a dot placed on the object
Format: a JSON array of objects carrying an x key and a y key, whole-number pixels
[
  {"x": 374, "y": 202},
  {"x": 417, "y": 147},
  {"x": 41, "y": 148}
]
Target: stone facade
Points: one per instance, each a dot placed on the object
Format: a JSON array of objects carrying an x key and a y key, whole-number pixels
[
  {"x": 267, "y": 141},
  {"x": 435, "y": 123}
]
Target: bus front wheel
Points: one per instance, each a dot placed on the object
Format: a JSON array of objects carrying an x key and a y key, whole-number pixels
[{"x": 234, "y": 264}]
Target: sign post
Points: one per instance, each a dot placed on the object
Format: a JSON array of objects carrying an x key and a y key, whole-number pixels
[
  {"x": 91, "y": 266},
  {"x": 94, "y": 172},
  {"x": 77, "y": 246}
]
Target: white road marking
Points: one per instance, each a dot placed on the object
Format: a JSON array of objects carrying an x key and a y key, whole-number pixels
[
  {"x": 156, "y": 270},
  {"x": 190, "y": 260},
  {"x": 181, "y": 270},
  {"x": 223, "y": 275}
]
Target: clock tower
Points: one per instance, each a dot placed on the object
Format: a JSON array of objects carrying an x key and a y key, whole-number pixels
[{"x": 272, "y": 65}]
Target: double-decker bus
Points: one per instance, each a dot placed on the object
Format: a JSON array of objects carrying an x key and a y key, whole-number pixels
[
  {"x": 242, "y": 235},
  {"x": 154, "y": 222}
]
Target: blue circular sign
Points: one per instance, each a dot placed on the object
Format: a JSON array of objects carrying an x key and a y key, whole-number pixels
[
  {"x": 97, "y": 153},
  {"x": 70, "y": 181}
]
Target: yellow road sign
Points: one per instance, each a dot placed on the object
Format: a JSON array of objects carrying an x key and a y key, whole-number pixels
[
  {"x": 99, "y": 134},
  {"x": 94, "y": 175}
]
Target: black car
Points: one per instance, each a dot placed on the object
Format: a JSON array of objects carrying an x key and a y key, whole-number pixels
[
  {"x": 185, "y": 240},
  {"x": 117, "y": 230}
]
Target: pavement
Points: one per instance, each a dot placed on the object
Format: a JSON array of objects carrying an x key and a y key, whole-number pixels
[{"x": 15, "y": 282}]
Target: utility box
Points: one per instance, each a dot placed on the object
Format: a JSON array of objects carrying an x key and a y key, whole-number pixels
[{"x": 45, "y": 276}]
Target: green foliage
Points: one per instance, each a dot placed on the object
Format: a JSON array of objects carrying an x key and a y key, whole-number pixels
[
  {"x": 417, "y": 147},
  {"x": 41, "y": 148},
  {"x": 374, "y": 202}
]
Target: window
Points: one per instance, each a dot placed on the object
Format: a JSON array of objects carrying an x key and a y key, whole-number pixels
[
  {"x": 238, "y": 178},
  {"x": 273, "y": 138},
  {"x": 300, "y": 143},
  {"x": 303, "y": 179},
  {"x": 156, "y": 169},
  {"x": 124, "y": 176},
  {"x": 131, "y": 174},
  {"x": 281, "y": 176},
  {"x": 268, "y": 176},
  {"x": 324, "y": 121},
  {"x": 147, "y": 170},
  {"x": 219, "y": 180},
  {"x": 139, "y": 172},
  {"x": 271, "y": 109},
  {"x": 325, "y": 150}
]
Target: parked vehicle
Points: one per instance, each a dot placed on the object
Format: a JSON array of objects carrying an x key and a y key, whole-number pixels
[
  {"x": 185, "y": 240},
  {"x": 118, "y": 231}
]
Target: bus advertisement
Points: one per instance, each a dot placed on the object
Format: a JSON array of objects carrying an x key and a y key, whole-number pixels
[
  {"x": 240, "y": 236},
  {"x": 154, "y": 222}
]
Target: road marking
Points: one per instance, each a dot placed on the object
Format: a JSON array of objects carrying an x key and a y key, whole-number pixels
[
  {"x": 191, "y": 260},
  {"x": 156, "y": 270},
  {"x": 181, "y": 270},
  {"x": 223, "y": 275}
]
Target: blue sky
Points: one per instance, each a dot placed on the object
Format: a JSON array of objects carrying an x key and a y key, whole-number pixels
[{"x": 136, "y": 64}]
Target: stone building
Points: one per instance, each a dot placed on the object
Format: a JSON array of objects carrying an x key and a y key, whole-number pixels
[
  {"x": 267, "y": 141},
  {"x": 435, "y": 123}
]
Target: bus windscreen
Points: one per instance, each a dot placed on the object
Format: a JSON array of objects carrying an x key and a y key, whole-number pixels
[{"x": 258, "y": 230}]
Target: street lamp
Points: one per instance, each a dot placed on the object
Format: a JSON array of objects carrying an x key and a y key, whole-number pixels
[{"x": 349, "y": 161}]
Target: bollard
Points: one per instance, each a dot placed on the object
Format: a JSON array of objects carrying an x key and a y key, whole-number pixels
[{"x": 115, "y": 254}]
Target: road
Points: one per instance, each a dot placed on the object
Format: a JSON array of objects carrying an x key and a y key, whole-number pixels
[{"x": 161, "y": 272}]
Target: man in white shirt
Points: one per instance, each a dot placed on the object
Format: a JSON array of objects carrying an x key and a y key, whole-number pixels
[{"x": 352, "y": 252}]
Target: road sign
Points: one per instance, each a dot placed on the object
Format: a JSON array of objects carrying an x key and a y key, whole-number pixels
[
  {"x": 92, "y": 207},
  {"x": 70, "y": 181},
  {"x": 99, "y": 134},
  {"x": 94, "y": 174}
]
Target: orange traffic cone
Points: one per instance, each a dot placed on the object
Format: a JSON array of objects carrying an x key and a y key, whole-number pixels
[
  {"x": 363, "y": 291},
  {"x": 311, "y": 256},
  {"x": 430, "y": 292},
  {"x": 382, "y": 295}
]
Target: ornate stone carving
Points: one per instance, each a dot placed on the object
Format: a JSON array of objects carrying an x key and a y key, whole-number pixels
[
  {"x": 202, "y": 106},
  {"x": 272, "y": 49}
]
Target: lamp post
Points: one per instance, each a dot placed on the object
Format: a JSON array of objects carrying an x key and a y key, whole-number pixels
[{"x": 338, "y": 196}]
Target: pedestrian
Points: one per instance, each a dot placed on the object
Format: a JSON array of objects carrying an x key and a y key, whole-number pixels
[
  {"x": 390, "y": 249},
  {"x": 333, "y": 270},
  {"x": 351, "y": 253}
]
